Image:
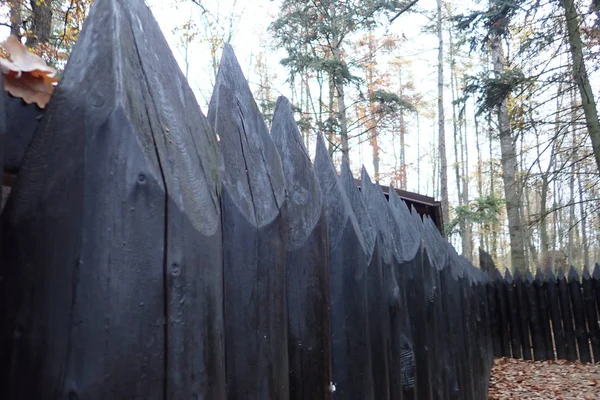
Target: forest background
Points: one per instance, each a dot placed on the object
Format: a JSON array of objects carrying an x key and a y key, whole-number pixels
[{"x": 490, "y": 107}]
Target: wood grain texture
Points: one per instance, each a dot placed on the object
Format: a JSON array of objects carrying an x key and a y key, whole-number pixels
[
  {"x": 255, "y": 231},
  {"x": 118, "y": 191},
  {"x": 378, "y": 315},
  {"x": 513, "y": 316},
  {"x": 351, "y": 353},
  {"x": 535, "y": 324},
  {"x": 401, "y": 350},
  {"x": 567, "y": 315},
  {"x": 307, "y": 265},
  {"x": 578, "y": 310},
  {"x": 524, "y": 316},
  {"x": 591, "y": 313},
  {"x": 544, "y": 313},
  {"x": 553, "y": 302}
]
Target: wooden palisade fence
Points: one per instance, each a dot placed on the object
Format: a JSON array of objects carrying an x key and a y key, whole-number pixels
[
  {"x": 546, "y": 317},
  {"x": 150, "y": 252}
]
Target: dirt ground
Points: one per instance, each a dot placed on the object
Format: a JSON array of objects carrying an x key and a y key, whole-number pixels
[{"x": 520, "y": 379}]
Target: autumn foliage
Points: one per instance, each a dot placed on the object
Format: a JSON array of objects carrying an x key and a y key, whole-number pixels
[{"x": 25, "y": 74}]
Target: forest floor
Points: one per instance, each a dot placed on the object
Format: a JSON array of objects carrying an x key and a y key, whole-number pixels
[{"x": 520, "y": 379}]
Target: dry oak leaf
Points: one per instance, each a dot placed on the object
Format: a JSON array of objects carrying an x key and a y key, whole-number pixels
[{"x": 26, "y": 75}]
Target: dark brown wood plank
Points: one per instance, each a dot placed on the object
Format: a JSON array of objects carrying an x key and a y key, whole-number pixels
[
  {"x": 377, "y": 300},
  {"x": 591, "y": 313},
  {"x": 351, "y": 355},
  {"x": 254, "y": 243},
  {"x": 578, "y": 310},
  {"x": 567, "y": 315},
  {"x": 307, "y": 268}
]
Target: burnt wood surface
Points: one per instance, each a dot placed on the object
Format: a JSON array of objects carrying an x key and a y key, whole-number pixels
[
  {"x": 307, "y": 272},
  {"x": 120, "y": 296}
]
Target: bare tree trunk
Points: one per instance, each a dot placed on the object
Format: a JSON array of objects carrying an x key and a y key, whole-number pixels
[
  {"x": 41, "y": 22},
  {"x": 338, "y": 80},
  {"x": 585, "y": 248},
  {"x": 331, "y": 132},
  {"x": 372, "y": 123},
  {"x": 580, "y": 76},
  {"x": 402, "y": 135},
  {"x": 495, "y": 226},
  {"x": 571, "y": 226},
  {"x": 441, "y": 120},
  {"x": 418, "y": 153},
  {"x": 16, "y": 21},
  {"x": 509, "y": 169},
  {"x": 483, "y": 232},
  {"x": 464, "y": 160}
]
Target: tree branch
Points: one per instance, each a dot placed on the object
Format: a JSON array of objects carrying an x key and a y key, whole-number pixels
[{"x": 403, "y": 10}]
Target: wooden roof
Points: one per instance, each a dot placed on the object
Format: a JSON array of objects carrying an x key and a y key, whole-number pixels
[{"x": 424, "y": 205}]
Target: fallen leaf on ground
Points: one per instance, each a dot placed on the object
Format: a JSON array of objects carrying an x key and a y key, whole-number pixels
[{"x": 564, "y": 380}]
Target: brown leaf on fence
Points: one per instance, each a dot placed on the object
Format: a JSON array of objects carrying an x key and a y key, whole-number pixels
[{"x": 26, "y": 75}]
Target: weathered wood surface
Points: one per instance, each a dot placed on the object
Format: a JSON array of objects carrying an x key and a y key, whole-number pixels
[
  {"x": 544, "y": 312},
  {"x": 567, "y": 315},
  {"x": 351, "y": 353},
  {"x": 502, "y": 303},
  {"x": 22, "y": 122},
  {"x": 254, "y": 240},
  {"x": 154, "y": 253},
  {"x": 553, "y": 302},
  {"x": 589, "y": 300},
  {"x": 596, "y": 287},
  {"x": 513, "y": 316},
  {"x": 524, "y": 318},
  {"x": 561, "y": 315},
  {"x": 3, "y": 126},
  {"x": 535, "y": 319},
  {"x": 434, "y": 310},
  {"x": 578, "y": 310},
  {"x": 415, "y": 273},
  {"x": 120, "y": 295},
  {"x": 401, "y": 351},
  {"x": 377, "y": 301},
  {"x": 486, "y": 263},
  {"x": 307, "y": 268},
  {"x": 495, "y": 323}
]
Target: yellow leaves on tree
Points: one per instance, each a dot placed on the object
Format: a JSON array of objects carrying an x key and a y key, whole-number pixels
[{"x": 26, "y": 75}]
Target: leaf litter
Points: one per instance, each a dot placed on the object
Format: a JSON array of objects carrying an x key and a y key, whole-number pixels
[{"x": 563, "y": 380}]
